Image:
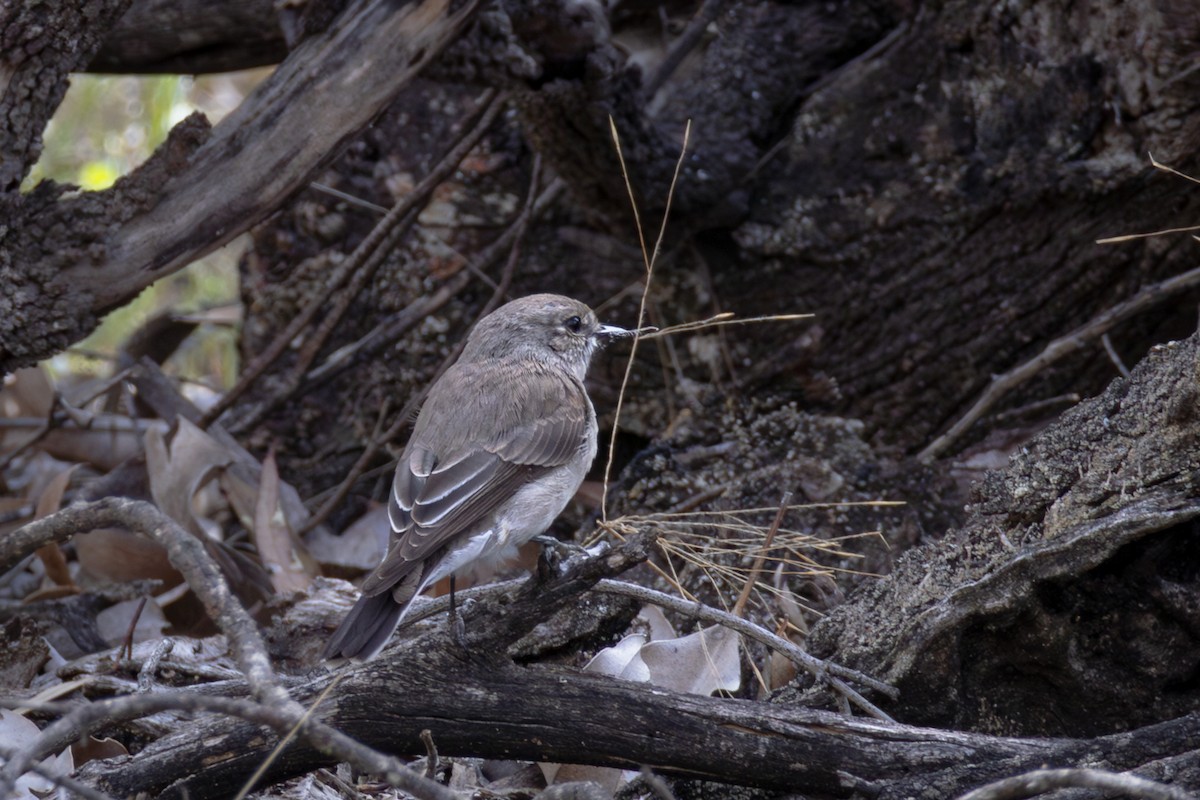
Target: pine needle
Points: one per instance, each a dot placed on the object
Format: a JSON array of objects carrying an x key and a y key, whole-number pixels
[
  {"x": 720, "y": 320},
  {"x": 1166, "y": 232}
]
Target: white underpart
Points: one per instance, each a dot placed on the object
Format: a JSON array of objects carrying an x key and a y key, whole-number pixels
[{"x": 528, "y": 513}]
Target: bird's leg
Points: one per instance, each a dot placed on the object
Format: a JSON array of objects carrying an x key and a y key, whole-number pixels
[{"x": 458, "y": 631}]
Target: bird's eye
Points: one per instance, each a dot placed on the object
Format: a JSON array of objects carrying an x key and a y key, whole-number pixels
[{"x": 574, "y": 324}]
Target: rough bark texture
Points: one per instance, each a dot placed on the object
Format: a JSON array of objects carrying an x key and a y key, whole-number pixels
[
  {"x": 545, "y": 713},
  {"x": 935, "y": 188},
  {"x": 64, "y": 263},
  {"x": 1066, "y": 605},
  {"x": 955, "y": 183},
  {"x": 484, "y": 705},
  {"x": 192, "y": 37},
  {"x": 39, "y": 46},
  {"x": 928, "y": 181}
]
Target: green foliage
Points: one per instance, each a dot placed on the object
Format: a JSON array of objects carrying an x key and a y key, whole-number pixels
[
  {"x": 105, "y": 127},
  {"x": 108, "y": 125}
]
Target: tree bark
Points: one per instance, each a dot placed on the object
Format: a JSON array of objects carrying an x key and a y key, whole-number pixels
[
  {"x": 192, "y": 38},
  {"x": 928, "y": 181},
  {"x": 481, "y": 706},
  {"x": 67, "y": 261},
  {"x": 1063, "y": 607}
]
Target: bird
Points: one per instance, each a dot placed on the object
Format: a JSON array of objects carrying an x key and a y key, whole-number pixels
[{"x": 499, "y": 447}]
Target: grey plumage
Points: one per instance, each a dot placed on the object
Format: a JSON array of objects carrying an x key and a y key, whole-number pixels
[{"x": 504, "y": 439}]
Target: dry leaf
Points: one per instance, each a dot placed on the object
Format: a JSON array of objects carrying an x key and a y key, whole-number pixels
[
  {"x": 14, "y": 730},
  {"x": 109, "y": 441},
  {"x": 50, "y": 499},
  {"x": 27, "y": 393},
  {"x": 48, "y": 502},
  {"x": 360, "y": 547},
  {"x": 272, "y": 536},
  {"x": 700, "y": 663},
  {"x": 113, "y": 622},
  {"x": 609, "y": 778},
  {"x": 111, "y": 555},
  {"x": 656, "y": 622},
  {"x": 92, "y": 749},
  {"x": 13, "y": 506},
  {"x": 622, "y": 660},
  {"x": 51, "y": 591},
  {"x": 178, "y": 473}
]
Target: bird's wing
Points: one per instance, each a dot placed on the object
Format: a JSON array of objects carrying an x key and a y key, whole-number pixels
[{"x": 473, "y": 450}]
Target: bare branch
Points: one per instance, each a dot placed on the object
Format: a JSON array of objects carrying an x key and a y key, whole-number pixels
[{"x": 1046, "y": 780}]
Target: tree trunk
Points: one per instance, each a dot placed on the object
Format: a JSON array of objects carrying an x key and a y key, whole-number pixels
[{"x": 929, "y": 181}]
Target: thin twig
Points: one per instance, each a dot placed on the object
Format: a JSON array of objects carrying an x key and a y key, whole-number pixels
[
  {"x": 349, "y": 198},
  {"x": 740, "y": 606},
  {"x": 286, "y": 740},
  {"x": 372, "y": 253},
  {"x": 649, "y": 259},
  {"x": 1059, "y": 348},
  {"x": 723, "y": 319},
  {"x": 683, "y": 45},
  {"x": 377, "y": 240},
  {"x": 145, "y": 678},
  {"x": 1154, "y": 162},
  {"x": 392, "y": 328},
  {"x": 816, "y": 666},
  {"x": 317, "y": 337},
  {"x": 1047, "y": 780},
  {"x": 520, "y": 225},
  {"x": 52, "y": 419},
  {"x": 188, "y": 555},
  {"x": 77, "y": 721},
  {"x": 127, "y": 643},
  {"x": 1114, "y": 356},
  {"x": 431, "y": 754},
  {"x": 1129, "y": 237}
]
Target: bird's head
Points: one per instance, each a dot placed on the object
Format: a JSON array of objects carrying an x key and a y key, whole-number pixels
[{"x": 543, "y": 327}]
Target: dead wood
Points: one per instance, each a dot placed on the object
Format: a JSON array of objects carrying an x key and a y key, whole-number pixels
[
  {"x": 929, "y": 180},
  {"x": 72, "y": 259},
  {"x": 192, "y": 37},
  {"x": 1065, "y": 606},
  {"x": 485, "y": 706}
]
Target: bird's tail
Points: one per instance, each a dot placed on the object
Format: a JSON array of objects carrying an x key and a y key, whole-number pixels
[
  {"x": 374, "y": 618},
  {"x": 367, "y": 628}
]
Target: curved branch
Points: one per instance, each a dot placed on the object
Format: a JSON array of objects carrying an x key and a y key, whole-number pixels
[
  {"x": 1047, "y": 780},
  {"x": 108, "y": 246},
  {"x": 188, "y": 555}
]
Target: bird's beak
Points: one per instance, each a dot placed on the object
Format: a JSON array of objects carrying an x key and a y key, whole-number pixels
[{"x": 613, "y": 332}]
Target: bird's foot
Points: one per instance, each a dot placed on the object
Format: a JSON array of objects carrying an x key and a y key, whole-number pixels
[
  {"x": 554, "y": 554},
  {"x": 547, "y": 541}
]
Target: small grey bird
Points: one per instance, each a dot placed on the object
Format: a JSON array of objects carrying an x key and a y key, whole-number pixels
[{"x": 502, "y": 442}]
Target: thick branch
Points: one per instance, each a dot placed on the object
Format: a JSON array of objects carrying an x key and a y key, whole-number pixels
[
  {"x": 41, "y": 45},
  {"x": 199, "y": 36},
  {"x": 1066, "y": 605},
  {"x": 266, "y": 149},
  {"x": 187, "y": 554},
  {"x": 484, "y": 707},
  {"x": 328, "y": 89}
]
